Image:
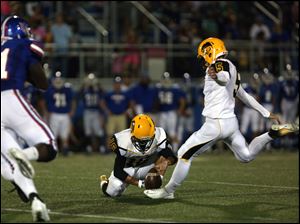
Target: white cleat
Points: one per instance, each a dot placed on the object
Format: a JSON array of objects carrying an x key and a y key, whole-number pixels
[
  {"x": 159, "y": 193},
  {"x": 24, "y": 164},
  {"x": 39, "y": 211}
]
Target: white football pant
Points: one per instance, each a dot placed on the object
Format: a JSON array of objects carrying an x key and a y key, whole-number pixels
[
  {"x": 9, "y": 168},
  {"x": 201, "y": 140},
  {"x": 60, "y": 125}
]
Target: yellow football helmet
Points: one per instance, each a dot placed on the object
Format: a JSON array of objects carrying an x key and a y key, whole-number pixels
[
  {"x": 210, "y": 49},
  {"x": 142, "y": 132}
]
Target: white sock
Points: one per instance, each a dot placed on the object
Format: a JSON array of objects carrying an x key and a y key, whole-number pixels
[
  {"x": 179, "y": 174},
  {"x": 259, "y": 143},
  {"x": 31, "y": 153},
  {"x": 11, "y": 172},
  {"x": 25, "y": 184}
]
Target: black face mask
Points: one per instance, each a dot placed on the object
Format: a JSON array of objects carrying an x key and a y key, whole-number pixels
[{"x": 142, "y": 145}]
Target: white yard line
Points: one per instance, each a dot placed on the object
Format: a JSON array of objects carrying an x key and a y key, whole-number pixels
[
  {"x": 122, "y": 218},
  {"x": 190, "y": 181},
  {"x": 92, "y": 216},
  {"x": 247, "y": 185}
]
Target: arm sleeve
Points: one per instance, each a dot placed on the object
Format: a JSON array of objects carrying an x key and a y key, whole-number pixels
[
  {"x": 119, "y": 167},
  {"x": 222, "y": 78},
  {"x": 251, "y": 102},
  {"x": 119, "y": 160}
]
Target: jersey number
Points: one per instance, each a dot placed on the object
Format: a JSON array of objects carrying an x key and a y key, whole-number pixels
[
  {"x": 219, "y": 66},
  {"x": 166, "y": 97},
  {"x": 4, "y": 56},
  {"x": 268, "y": 96},
  {"x": 60, "y": 100},
  {"x": 91, "y": 99}
]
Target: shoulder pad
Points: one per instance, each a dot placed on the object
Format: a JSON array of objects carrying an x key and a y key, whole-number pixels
[
  {"x": 160, "y": 135},
  {"x": 123, "y": 139},
  {"x": 221, "y": 65}
]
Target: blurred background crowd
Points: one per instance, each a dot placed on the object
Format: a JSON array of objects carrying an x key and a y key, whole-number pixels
[{"x": 108, "y": 60}]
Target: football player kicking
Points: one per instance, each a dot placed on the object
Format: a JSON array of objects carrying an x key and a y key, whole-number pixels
[
  {"x": 20, "y": 62},
  {"x": 138, "y": 149},
  {"x": 222, "y": 85}
]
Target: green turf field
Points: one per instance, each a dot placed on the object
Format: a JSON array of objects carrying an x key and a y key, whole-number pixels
[{"x": 218, "y": 189}]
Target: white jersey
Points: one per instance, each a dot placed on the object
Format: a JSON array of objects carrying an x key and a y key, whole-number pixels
[
  {"x": 219, "y": 100},
  {"x": 135, "y": 158},
  {"x": 131, "y": 162}
]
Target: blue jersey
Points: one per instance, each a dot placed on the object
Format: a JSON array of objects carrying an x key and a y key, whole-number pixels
[
  {"x": 91, "y": 98},
  {"x": 267, "y": 93},
  {"x": 59, "y": 100},
  {"x": 144, "y": 96},
  {"x": 117, "y": 102},
  {"x": 168, "y": 97},
  {"x": 189, "y": 94},
  {"x": 289, "y": 89},
  {"x": 16, "y": 57}
]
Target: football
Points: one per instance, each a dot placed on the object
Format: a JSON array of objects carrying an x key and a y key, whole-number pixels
[{"x": 153, "y": 179}]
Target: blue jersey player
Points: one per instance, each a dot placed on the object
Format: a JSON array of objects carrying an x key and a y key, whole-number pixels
[
  {"x": 289, "y": 95},
  {"x": 171, "y": 104},
  {"x": 115, "y": 104},
  {"x": 250, "y": 117},
  {"x": 267, "y": 95},
  {"x": 93, "y": 119},
  {"x": 61, "y": 107},
  {"x": 20, "y": 62},
  {"x": 144, "y": 96}
]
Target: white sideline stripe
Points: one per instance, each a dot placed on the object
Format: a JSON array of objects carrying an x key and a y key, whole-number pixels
[
  {"x": 249, "y": 185},
  {"x": 91, "y": 216}
]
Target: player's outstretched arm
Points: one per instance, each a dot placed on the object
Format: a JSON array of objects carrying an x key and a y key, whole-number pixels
[
  {"x": 162, "y": 164},
  {"x": 251, "y": 102},
  {"x": 167, "y": 158},
  {"x": 122, "y": 175}
]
